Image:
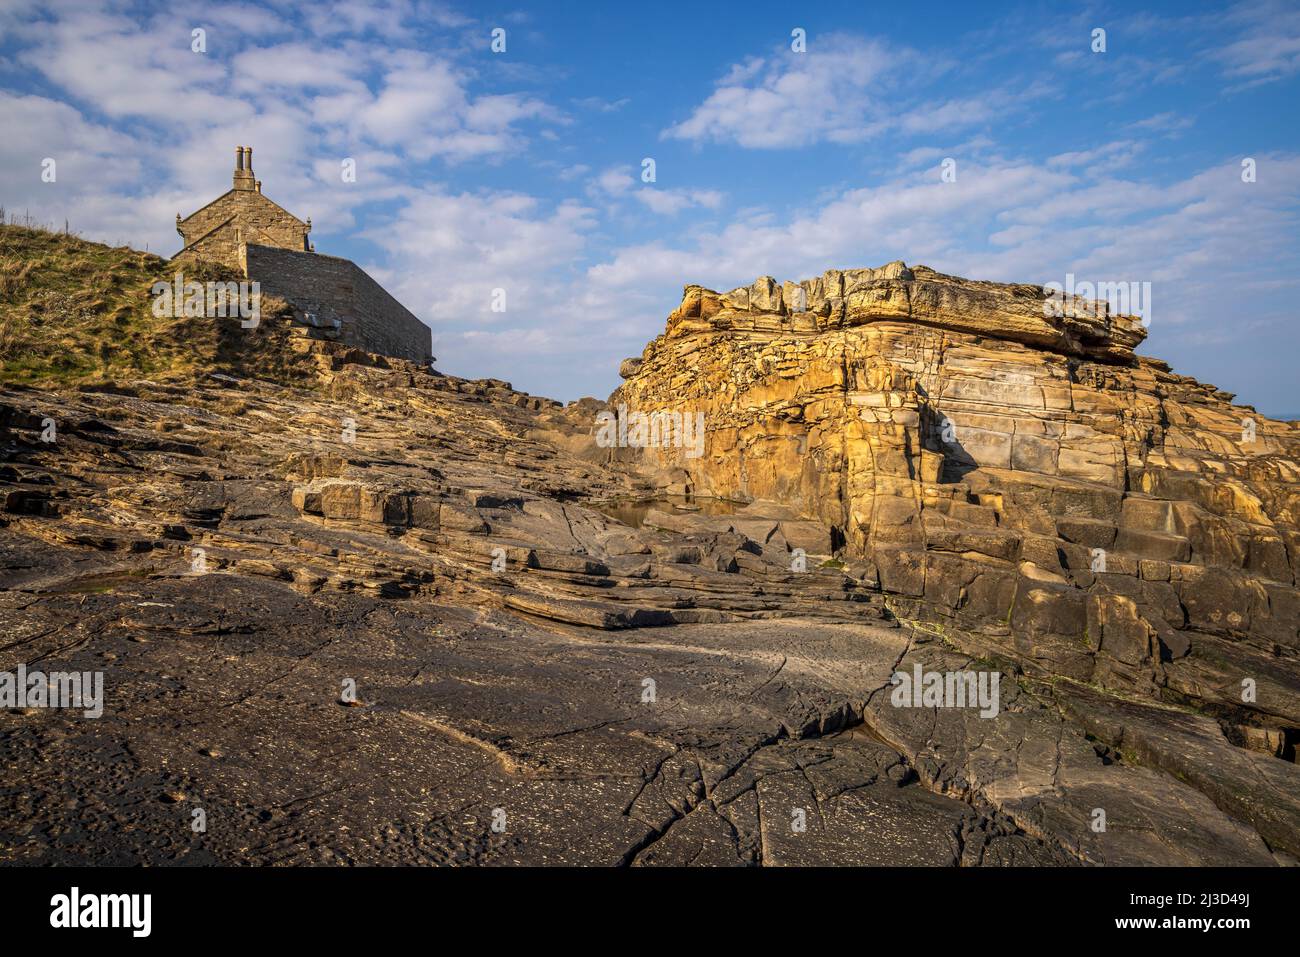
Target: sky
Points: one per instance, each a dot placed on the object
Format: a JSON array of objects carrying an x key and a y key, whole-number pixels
[{"x": 524, "y": 169}]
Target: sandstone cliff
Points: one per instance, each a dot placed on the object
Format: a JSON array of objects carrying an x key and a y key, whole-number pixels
[{"x": 1024, "y": 484}]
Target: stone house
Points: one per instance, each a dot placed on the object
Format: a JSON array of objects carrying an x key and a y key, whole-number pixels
[{"x": 265, "y": 243}]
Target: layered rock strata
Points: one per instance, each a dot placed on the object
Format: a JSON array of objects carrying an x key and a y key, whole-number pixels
[
  {"x": 1019, "y": 481},
  {"x": 359, "y": 612}
]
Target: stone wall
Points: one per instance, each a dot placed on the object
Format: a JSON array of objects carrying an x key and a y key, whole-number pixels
[
  {"x": 248, "y": 217},
  {"x": 337, "y": 289}
]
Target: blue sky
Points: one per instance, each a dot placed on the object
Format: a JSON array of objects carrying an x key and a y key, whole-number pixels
[{"x": 521, "y": 170}]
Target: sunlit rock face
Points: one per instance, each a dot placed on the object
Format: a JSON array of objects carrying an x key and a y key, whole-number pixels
[{"x": 1005, "y": 468}]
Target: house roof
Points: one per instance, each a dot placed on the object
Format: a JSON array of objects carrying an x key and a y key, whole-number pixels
[{"x": 260, "y": 196}]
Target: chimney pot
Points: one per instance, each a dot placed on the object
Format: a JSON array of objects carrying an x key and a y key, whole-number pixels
[{"x": 244, "y": 168}]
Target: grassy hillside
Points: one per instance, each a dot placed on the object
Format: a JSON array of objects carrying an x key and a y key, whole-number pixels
[{"x": 73, "y": 311}]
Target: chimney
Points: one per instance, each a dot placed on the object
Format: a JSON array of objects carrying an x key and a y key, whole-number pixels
[{"x": 244, "y": 168}]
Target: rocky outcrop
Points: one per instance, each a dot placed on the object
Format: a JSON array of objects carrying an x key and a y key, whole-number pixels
[
  {"x": 1016, "y": 479},
  {"x": 356, "y": 611}
]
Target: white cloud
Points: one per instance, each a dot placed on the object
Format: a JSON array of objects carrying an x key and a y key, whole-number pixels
[
  {"x": 600, "y": 105},
  {"x": 389, "y": 96},
  {"x": 1102, "y": 159},
  {"x": 670, "y": 202},
  {"x": 1267, "y": 47},
  {"x": 447, "y": 253},
  {"x": 620, "y": 182},
  {"x": 845, "y": 89},
  {"x": 388, "y": 19},
  {"x": 95, "y": 166},
  {"x": 832, "y": 92},
  {"x": 1166, "y": 122},
  {"x": 615, "y": 181},
  {"x": 125, "y": 71},
  {"x": 294, "y": 66}
]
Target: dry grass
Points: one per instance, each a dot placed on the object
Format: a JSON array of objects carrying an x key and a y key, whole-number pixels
[
  {"x": 14, "y": 275},
  {"x": 77, "y": 311}
]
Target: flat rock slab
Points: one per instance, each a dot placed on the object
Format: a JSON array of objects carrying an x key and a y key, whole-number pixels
[
  {"x": 1032, "y": 764},
  {"x": 224, "y": 697}
]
